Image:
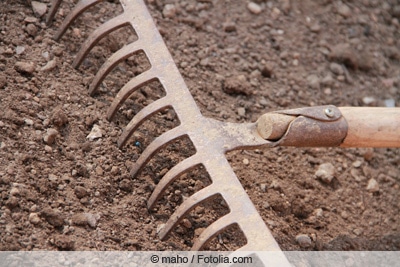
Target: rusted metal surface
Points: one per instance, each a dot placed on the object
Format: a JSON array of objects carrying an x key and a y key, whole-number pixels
[
  {"x": 209, "y": 136},
  {"x": 321, "y": 126}
]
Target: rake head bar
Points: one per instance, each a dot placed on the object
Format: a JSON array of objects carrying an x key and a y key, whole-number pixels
[{"x": 209, "y": 137}]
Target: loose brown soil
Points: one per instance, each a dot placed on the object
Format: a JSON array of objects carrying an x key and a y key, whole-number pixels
[{"x": 61, "y": 191}]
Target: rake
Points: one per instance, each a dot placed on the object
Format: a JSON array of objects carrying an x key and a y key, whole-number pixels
[{"x": 322, "y": 126}]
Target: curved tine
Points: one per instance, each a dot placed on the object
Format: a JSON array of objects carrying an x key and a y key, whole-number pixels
[
  {"x": 128, "y": 89},
  {"x": 182, "y": 167},
  {"x": 112, "y": 61},
  {"x": 107, "y": 27},
  {"x": 155, "y": 146},
  {"x": 138, "y": 119},
  {"x": 195, "y": 199},
  {"x": 215, "y": 228},
  {"x": 55, "y": 4},
  {"x": 78, "y": 9}
]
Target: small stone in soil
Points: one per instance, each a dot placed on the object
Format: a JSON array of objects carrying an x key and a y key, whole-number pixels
[
  {"x": 50, "y": 136},
  {"x": 52, "y": 64},
  {"x": 169, "y": 11},
  {"x": 325, "y": 172},
  {"x": 31, "y": 29},
  {"x": 95, "y": 133},
  {"x": 39, "y": 8},
  {"x": 24, "y": 67},
  {"x": 34, "y": 218},
  {"x": 336, "y": 68},
  {"x": 344, "y": 10},
  {"x": 254, "y": 8},
  {"x": 303, "y": 240},
  {"x": 372, "y": 186}
]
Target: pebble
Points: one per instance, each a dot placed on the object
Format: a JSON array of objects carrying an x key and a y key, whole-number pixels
[
  {"x": 24, "y": 67},
  {"x": 325, "y": 172},
  {"x": 254, "y": 8},
  {"x": 51, "y": 65},
  {"x": 169, "y": 11},
  {"x": 328, "y": 80},
  {"x": 186, "y": 223},
  {"x": 357, "y": 164},
  {"x": 31, "y": 29},
  {"x": 356, "y": 175},
  {"x": 357, "y": 231},
  {"x": 95, "y": 133},
  {"x": 344, "y": 10},
  {"x": 303, "y": 240},
  {"x": 28, "y": 122},
  {"x": 315, "y": 28},
  {"x": 267, "y": 70},
  {"x": 50, "y": 136},
  {"x": 263, "y": 187},
  {"x": 39, "y": 8},
  {"x": 34, "y": 218},
  {"x": 390, "y": 103},
  {"x": 319, "y": 213},
  {"x": 241, "y": 111},
  {"x": 246, "y": 161},
  {"x": 229, "y": 26},
  {"x": 52, "y": 177},
  {"x": 19, "y": 50},
  {"x": 313, "y": 81},
  {"x": 368, "y": 100},
  {"x": 336, "y": 68},
  {"x": 372, "y": 186},
  {"x": 83, "y": 219},
  {"x": 48, "y": 149}
]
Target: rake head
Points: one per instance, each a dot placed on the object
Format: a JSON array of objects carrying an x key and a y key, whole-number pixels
[{"x": 209, "y": 136}]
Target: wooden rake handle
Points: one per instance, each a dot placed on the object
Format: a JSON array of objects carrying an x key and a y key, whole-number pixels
[
  {"x": 371, "y": 127},
  {"x": 329, "y": 126}
]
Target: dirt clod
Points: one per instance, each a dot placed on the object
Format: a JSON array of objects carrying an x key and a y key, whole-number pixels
[
  {"x": 53, "y": 217},
  {"x": 24, "y": 67}
]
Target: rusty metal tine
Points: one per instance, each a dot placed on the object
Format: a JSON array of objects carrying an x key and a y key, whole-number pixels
[
  {"x": 112, "y": 61},
  {"x": 197, "y": 198},
  {"x": 55, "y": 4},
  {"x": 138, "y": 119},
  {"x": 78, "y": 9},
  {"x": 212, "y": 230},
  {"x": 174, "y": 173},
  {"x": 107, "y": 27},
  {"x": 128, "y": 89},
  {"x": 155, "y": 146}
]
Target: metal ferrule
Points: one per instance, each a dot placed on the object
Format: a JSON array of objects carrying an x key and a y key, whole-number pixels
[{"x": 321, "y": 126}]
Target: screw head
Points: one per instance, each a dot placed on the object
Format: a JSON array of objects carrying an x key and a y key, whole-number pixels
[{"x": 329, "y": 112}]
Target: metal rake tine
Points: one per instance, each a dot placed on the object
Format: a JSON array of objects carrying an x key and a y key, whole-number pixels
[
  {"x": 138, "y": 119},
  {"x": 78, "y": 9},
  {"x": 107, "y": 27},
  {"x": 197, "y": 198},
  {"x": 128, "y": 89},
  {"x": 155, "y": 146},
  {"x": 182, "y": 167},
  {"x": 55, "y": 4},
  {"x": 112, "y": 61},
  {"x": 212, "y": 230}
]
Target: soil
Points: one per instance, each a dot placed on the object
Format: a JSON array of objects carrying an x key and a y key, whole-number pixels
[{"x": 62, "y": 191}]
